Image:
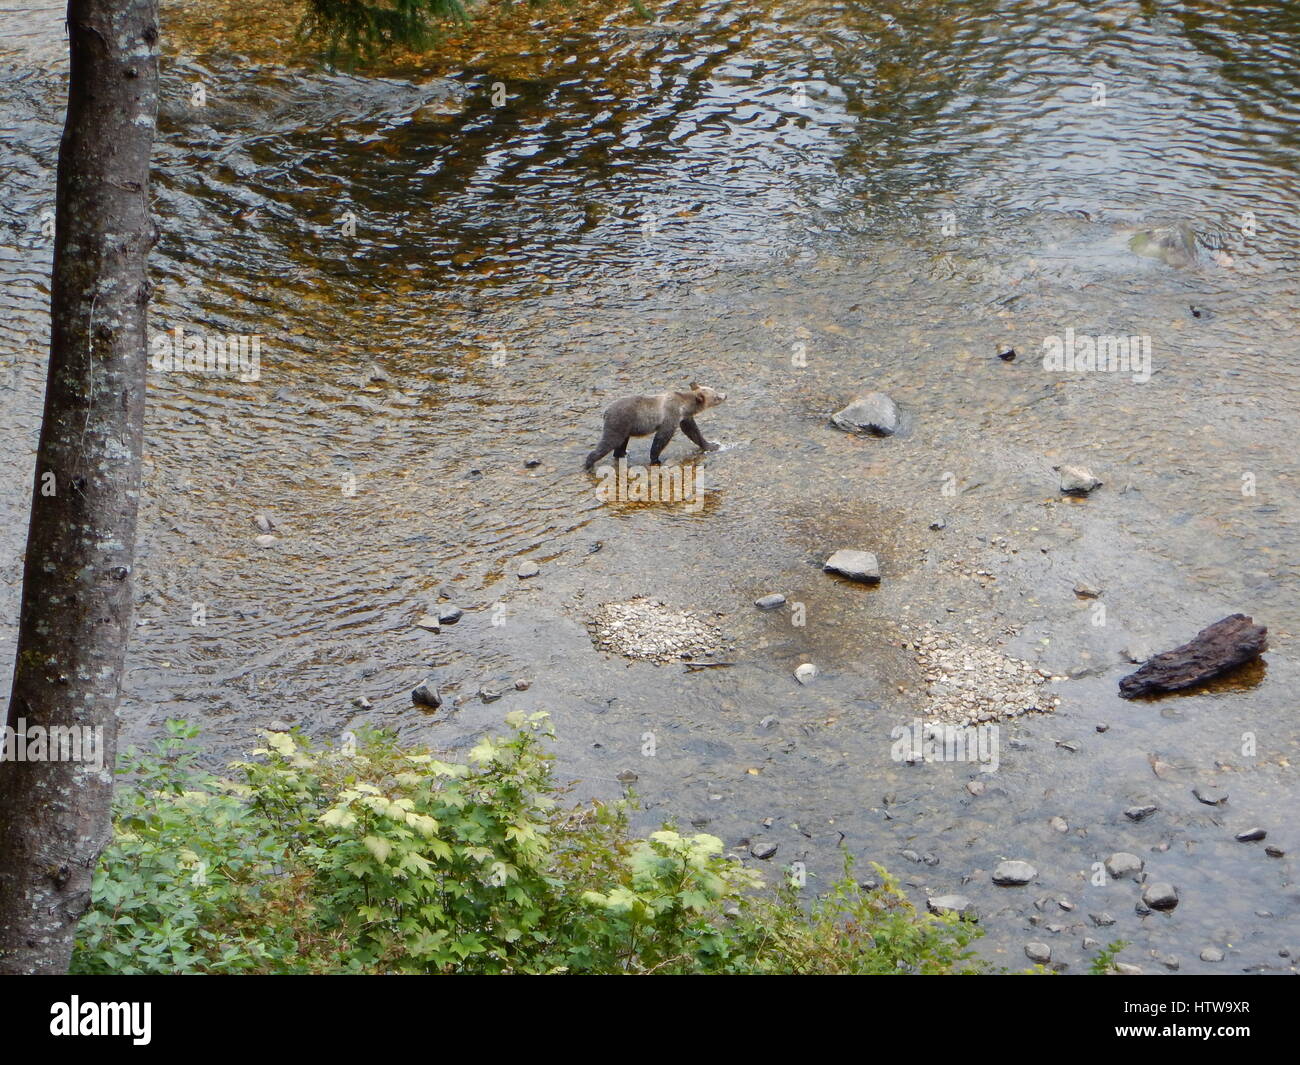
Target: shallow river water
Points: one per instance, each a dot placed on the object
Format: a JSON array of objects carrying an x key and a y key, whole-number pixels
[{"x": 452, "y": 268}]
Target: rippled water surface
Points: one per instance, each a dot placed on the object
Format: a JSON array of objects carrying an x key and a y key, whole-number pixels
[{"x": 790, "y": 202}]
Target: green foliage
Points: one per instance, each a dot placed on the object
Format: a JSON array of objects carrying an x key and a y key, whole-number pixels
[
  {"x": 384, "y": 859},
  {"x": 851, "y": 930},
  {"x": 1104, "y": 963}
]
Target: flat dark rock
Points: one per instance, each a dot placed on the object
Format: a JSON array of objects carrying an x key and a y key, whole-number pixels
[{"x": 1214, "y": 650}]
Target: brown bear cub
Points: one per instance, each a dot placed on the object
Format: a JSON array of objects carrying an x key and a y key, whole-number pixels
[{"x": 661, "y": 415}]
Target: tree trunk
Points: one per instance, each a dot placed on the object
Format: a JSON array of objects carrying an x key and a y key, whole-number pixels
[{"x": 55, "y": 807}]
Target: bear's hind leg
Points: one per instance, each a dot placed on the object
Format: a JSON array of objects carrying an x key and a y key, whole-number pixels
[{"x": 608, "y": 441}]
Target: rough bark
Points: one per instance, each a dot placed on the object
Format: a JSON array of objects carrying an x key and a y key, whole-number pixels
[
  {"x": 1220, "y": 647},
  {"x": 76, "y": 601}
]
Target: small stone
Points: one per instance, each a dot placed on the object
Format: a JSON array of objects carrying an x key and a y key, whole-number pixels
[
  {"x": 1090, "y": 944},
  {"x": 522, "y": 685},
  {"x": 1121, "y": 864},
  {"x": 278, "y": 726},
  {"x": 629, "y": 777},
  {"x": 1160, "y": 896},
  {"x": 770, "y": 722},
  {"x": 449, "y": 615},
  {"x": 1171, "y": 963},
  {"x": 870, "y": 412},
  {"x": 1251, "y": 835},
  {"x": 1123, "y": 968},
  {"x": 528, "y": 569},
  {"x": 770, "y": 602},
  {"x": 264, "y": 523},
  {"x": 939, "y": 523},
  {"x": 1077, "y": 480},
  {"x": 1209, "y": 795},
  {"x": 1103, "y": 727},
  {"x": 763, "y": 849},
  {"x": 1101, "y": 920},
  {"x": 429, "y": 623},
  {"x": 1140, "y": 813},
  {"x": 976, "y": 787},
  {"x": 532, "y": 464},
  {"x": 1274, "y": 851},
  {"x": 805, "y": 673},
  {"x": 1059, "y": 824},
  {"x": 958, "y": 905},
  {"x": 1211, "y": 954},
  {"x": 489, "y": 695},
  {"x": 362, "y": 703},
  {"x": 265, "y": 540},
  {"x": 427, "y": 694},
  {"x": 1038, "y": 952},
  {"x": 856, "y": 565},
  {"x": 1007, "y": 356},
  {"x": 910, "y": 855},
  {"x": 1086, "y": 591},
  {"x": 1014, "y": 873},
  {"x": 1138, "y": 652}
]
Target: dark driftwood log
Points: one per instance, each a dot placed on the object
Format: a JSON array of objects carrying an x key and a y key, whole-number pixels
[{"x": 1214, "y": 650}]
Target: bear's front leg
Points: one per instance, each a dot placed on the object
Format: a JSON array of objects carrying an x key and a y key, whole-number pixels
[{"x": 693, "y": 431}]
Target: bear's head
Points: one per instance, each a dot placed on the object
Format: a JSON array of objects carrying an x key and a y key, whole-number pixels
[{"x": 707, "y": 396}]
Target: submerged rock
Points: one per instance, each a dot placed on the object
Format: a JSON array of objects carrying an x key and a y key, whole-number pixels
[
  {"x": 528, "y": 569},
  {"x": 1173, "y": 245},
  {"x": 1139, "y": 813},
  {"x": 869, "y": 412},
  {"x": 856, "y": 565},
  {"x": 805, "y": 673},
  {"x": 770, "y": 602},
  {"x": 958, "y": 905},
  {"x": 1209, "y": 795}
]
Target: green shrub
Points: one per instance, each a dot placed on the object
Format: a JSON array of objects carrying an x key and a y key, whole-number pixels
[{"x": 375, "y": 858}]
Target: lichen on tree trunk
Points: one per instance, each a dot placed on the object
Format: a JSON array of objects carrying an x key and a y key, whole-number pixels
[{"x": 55, "y": 815}]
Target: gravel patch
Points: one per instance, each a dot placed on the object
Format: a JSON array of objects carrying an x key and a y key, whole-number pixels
[
  {"x": 648, "y": 630},
  {"x": 966, "y": 684}
]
